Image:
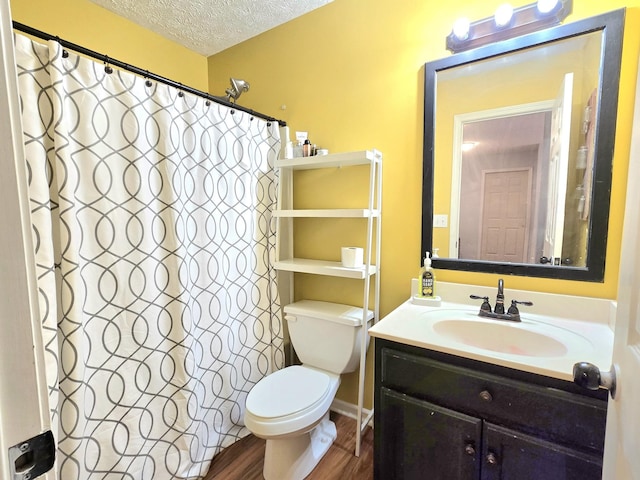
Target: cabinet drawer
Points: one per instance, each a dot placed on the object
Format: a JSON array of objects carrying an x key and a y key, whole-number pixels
[{"x": 549, "y": 413}]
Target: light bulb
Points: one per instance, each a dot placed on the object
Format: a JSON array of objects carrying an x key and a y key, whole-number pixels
[
  {"x": 503, "y": 15},
  {"x": 545, "y": 6},
  {"x": 461, "y": 28},
  {"x": 468, "y": 146}
]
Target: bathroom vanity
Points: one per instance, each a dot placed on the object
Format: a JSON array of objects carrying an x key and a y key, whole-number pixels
[
  {"x": 441, "y": 416},
  {"x": 450, "y": 406}
]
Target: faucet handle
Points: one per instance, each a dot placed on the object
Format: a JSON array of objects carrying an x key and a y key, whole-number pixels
[
  {"x": 513, "y": 309},
  {"x": 486, "y": 306}
]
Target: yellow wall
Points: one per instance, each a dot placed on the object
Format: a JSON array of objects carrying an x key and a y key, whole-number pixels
[
  {"x": 351, "y": 74},
  {"x": 86, "y": 24}
]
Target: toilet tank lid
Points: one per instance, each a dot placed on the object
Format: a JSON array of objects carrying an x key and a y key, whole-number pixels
[{"x": 333, "y": 312}]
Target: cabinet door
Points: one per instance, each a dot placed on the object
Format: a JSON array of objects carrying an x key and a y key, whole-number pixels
[
  {"x": 511, "y": 455},
  {"x": 420, "y": 440}
]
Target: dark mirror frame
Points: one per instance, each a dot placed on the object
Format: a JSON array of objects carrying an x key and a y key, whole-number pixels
[{"x": 611, "y": 24}]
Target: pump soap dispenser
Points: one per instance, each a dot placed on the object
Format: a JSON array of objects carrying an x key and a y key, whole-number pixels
[
  {"x": 426, "y": 283},
  {"x": 427, "y": 279}
]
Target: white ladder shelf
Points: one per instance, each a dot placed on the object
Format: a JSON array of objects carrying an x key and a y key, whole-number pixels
[{"x": 287, "y": 265}]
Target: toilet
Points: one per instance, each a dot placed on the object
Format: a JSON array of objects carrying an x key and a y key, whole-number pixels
[{"x": 290, "y": 407}]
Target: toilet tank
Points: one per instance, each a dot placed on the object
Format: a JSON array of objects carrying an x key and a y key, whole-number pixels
[{"x": 326, "y": 335}]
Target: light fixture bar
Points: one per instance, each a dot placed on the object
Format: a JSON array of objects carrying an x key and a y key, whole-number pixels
[{"x": 526, "y": 19}]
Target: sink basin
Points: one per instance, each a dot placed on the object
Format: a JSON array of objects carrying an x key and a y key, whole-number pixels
[
  {"x": 526, "y": 338},
  {"x": 501, "y": 337}
]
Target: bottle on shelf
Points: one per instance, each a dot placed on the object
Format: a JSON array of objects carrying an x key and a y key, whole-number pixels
[{"x": 306, "y": 148}]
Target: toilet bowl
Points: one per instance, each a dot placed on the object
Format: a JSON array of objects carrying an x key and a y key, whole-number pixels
[{"x": 290, "y": 408}]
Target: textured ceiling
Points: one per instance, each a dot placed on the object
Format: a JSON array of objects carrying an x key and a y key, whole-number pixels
[{"x": 210, "y": 26}]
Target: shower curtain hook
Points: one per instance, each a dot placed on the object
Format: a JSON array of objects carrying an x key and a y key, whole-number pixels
[
  {"x": 148, "y": 82},
  {"x": 65, "y": 54},
  {"x": 107, "y": 68}
]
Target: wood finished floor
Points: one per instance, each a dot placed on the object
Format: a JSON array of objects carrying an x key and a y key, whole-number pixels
[{"x": 243, "y": 460}]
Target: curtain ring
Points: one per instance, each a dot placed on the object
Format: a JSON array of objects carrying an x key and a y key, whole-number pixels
[
  {"x": 148, "y": 82},
  {"x": 65, "y": 54},
  {"x": 107, "y": 68}
]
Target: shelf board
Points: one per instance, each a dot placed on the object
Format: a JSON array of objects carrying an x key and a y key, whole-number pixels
[
  {"x": 322, "y": 267},
  {"x": 348, "y": 159},
  {"x": 328, "y": 213}
]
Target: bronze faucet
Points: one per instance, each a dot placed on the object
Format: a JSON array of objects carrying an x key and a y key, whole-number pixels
[
  {"x": 499, "y": 308},
  {"x": 513, "y": 314}
]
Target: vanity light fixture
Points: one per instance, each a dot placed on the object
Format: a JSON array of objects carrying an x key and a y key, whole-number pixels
[
  {"x": 508, "y": 22},
  {"x": 546, "y": 6},
  {"x": 503, "y": 15},
  {"x": 461, "y": 28}
]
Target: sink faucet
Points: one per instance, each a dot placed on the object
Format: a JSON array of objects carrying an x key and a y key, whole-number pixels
[
  {"x": 513, "y": 314},
  {"x": 499, "y": 308}
]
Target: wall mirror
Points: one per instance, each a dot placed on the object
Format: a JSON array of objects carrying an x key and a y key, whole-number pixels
[{"x": 518, "y": 148}]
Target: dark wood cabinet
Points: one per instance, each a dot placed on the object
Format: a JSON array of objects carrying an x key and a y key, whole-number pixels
[
  {"x": 422, "y": 440},
  {"x": 442, "y": 417},
  {"x": 508, "y": 454}
]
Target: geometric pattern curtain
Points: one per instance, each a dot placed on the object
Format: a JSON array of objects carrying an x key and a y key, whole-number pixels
[{"x": 154, "y": 241}]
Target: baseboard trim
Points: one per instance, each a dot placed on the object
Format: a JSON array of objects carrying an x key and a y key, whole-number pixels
[{"x": 349, "y": 410}]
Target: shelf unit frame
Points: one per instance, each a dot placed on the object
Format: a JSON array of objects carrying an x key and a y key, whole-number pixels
[{"x": 287, "y": 265}]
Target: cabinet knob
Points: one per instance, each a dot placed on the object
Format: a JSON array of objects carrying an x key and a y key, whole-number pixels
[
  {"x": 492, "y": 459},
  {"x": 469, "y": 449},
  {"x": 485, "y": 396}
]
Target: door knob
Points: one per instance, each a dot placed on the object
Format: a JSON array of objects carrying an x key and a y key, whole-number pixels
[{"x": 589, "y": 376}]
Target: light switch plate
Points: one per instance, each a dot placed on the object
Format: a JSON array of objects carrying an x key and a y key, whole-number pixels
[{"x": 440, "y": 221}]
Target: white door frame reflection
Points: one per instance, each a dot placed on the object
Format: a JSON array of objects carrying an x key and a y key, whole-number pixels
[{"x": 510, "y": 139}]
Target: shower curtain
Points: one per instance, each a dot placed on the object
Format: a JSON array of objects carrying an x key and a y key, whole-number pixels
[{"x": 154, "y": 240}]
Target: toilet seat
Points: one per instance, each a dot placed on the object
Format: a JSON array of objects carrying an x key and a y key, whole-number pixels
[
  {"x": 289, "y": 400},
  {"x": 287, "y": 392}
]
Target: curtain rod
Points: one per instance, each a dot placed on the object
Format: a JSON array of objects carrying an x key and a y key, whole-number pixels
[{"x": 138, "y": 71}]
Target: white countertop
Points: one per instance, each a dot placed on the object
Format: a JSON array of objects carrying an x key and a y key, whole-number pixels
[{"x": 586, "y": 339}]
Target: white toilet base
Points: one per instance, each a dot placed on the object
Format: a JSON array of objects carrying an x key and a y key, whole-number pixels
[{"x": 293, "y": 458}]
